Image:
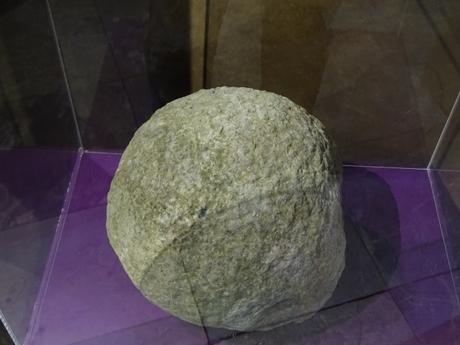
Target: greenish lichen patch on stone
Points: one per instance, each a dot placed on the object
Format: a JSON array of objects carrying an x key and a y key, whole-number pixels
[{"x": 225, "y": 210}]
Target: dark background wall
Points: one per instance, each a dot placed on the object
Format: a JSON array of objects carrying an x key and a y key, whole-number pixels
[
  {"x": 34, "y": 106},
  {"x": 382, "y": 76}
]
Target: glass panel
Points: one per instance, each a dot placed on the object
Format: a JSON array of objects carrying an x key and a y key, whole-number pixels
[
  {"x": 38, "y": 142},
  {"x": 360, "y": 66},
  {"x": 33, "y": 184},
  {"x": 446, "y": 188},
  {"x": 381, "y": 75},
  {"x": 34, "y": 106},
  {"x": 102, "y": 47}
]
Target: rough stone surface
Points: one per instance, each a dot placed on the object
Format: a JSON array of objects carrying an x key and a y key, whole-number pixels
[{"x": 225, "y": 210}]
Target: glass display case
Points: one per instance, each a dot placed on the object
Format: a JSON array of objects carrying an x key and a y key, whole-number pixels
[{"x": 79, "y": 77}]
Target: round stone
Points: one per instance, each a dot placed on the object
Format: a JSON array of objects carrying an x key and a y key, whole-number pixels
[{"x": 225, "y": 210}]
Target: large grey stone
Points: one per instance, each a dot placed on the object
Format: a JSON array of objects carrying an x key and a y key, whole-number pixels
[{"x": 225, "y": 210}]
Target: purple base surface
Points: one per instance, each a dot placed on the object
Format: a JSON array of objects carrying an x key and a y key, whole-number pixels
[{"x": 397, "y": 287}]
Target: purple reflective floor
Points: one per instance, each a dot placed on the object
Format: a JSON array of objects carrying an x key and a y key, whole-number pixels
[{"x": 397, "y": 287}]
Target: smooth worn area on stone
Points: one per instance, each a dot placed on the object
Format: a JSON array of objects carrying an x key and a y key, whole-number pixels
[{"x": 225, "y": 210}]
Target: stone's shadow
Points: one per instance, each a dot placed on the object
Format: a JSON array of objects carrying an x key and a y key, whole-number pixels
[
  {"x": 371, "y": 207},
  {"x": 360, "y": 271},
  {"x": 371, "y": 225}
]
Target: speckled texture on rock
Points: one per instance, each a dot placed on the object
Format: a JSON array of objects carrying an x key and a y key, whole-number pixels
[{"x": 225, "y": 210}]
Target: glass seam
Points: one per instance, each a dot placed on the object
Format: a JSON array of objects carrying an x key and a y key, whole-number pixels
[
  {"x": 64, "y": 73},
  {"x": 36, "y": 311},
  {"x": 437, "y": 155},
  {"x": 441, "y": 228},
  {"x": 8, "y": 328}
]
